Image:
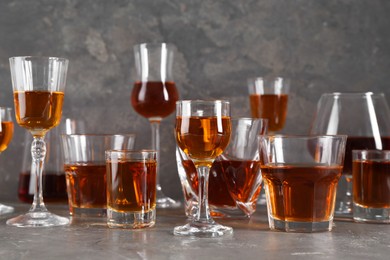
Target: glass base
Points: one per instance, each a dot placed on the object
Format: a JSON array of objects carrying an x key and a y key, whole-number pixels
[
  {"x": 38, "y": 219},
  {"x": 87, "y": 212},
  {"x": 371, "y": 215},
  {"x": 134, "y": 220},
  {"x": 4, "y": 209},
  {"x": 304, "y": 227},
  {"x": 163, "y": 202},
  {"x": 202, "y": 230}
]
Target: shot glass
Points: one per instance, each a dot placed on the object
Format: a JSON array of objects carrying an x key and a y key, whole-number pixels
[
  {"x": 85, "y": 170},
  {"x": 131, "y": 188},
  {"x": 300, "y": 175},
  {"x": 235, "y": 176},
  {"x": 371, "y": 185}
]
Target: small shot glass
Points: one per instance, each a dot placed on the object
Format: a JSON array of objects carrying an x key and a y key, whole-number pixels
[
  {"x": 371, "y": 185},
  {"x": 131, "y": 188}
]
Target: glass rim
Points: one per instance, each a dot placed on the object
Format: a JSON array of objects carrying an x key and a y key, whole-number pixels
[
  {"x": 281, "y": 136},
  {"x": 38, "y": 58},
  {"x": 129, "y": 151},
  {"x": 103, "y": 135},
  {"x": 352, "y": 94},
  {"x": 202, "y": 101},
  {"x": 153, "y": 44},
  {"x": 267, "y": 78},
  {"x": 6, "y": 108},
  {"x": 369, "y": 151}
]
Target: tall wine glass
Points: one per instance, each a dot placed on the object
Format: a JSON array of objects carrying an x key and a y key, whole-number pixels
[
  {"x": 38, "y": 85},
  {"x": 203, "y": 130},
  {"x": 6, "y": 133},
  {"x": 365, "y": 118},
  {"x": 268, "y": 99},
  {"x": 154, "y": 96}
]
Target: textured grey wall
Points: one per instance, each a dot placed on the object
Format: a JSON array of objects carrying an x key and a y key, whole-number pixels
[{"x": 323, "y": 46}]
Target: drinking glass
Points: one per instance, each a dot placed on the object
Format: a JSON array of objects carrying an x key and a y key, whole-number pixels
[
  {"x": 364, "y": 117},
  {"x": 38, "y": 85},
  {"x": 268, "y": 98},
  {"x": 300, "y": 176},
  {"x": 235, "y": 176},
  {"x": 6, "y": 133},
  {"x": 154, "y": 95},
  {"x": 203, "y": 130}
]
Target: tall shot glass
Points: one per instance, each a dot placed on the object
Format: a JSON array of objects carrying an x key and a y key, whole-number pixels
[
  {"x": 300, "y": 175},
  {"x": 371, "y": 185}
]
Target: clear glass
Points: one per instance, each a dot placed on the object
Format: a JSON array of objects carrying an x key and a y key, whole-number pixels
[
  {"x": 371, "y": 186},
  {"x": 268, "y": 97},
  {"x": 364, "y": 117},
  {"x": 131, "y": 188},
  {"x": 6, "y": 134},
  {"x": 85, "y": 169},
  {"x": 154, "y": 95},
  {"x": 38, "y": 85},
  {"x": 300, "y": 175},
  {"x": 235, "y": 177},
  {"x": 203, "y": 130}
]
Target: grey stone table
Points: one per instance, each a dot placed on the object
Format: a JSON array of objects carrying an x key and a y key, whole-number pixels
[{"x": 91, "y": 239}]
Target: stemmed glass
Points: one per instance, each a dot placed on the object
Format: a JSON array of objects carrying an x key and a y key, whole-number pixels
[
  {"x": 203, "y": 130},
  {"x": 364, "y": 117},
  {"x": 38, "y": 85},
  {"x": 268, "y": 99},
  {"x": 154, "y": 96},
  {"x": 6, "y": 133}
]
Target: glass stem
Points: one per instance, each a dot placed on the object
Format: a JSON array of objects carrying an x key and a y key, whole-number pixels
[
  {"x": 203, "y": 214},
  {"x": 38, "y": 152},
  {"x": 155, "y": 124}
]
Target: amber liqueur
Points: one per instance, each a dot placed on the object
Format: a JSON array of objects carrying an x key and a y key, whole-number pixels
[
  {"x": 230, "y": 181},
  {"x": 154, "y": 99},
  {"x": 6, "y": 133},
  {"x": 131, "y": 185},
  {"x": 301, "y": 192},
  {"x": 371, "y": 186},
  {"x": 270, "y": 106},
  {"x": 88, "y": 185},
  {"x": 38, "y": 111},
  {"x": 203, "y": 138}
]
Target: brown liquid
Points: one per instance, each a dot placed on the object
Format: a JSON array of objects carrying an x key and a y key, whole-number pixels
[
  {"x": 270, "y": 106},
  {"x": 229, "y": 181},
  {"x": 87, "y": 182},
  {"x": 6, "y": 133},
  {"x": 361, "y": 143},
  {"x": 302, "y": 192},
  {"x": 131, "y": 186},
  {"x": 154, "y": 98},
  {"x": 203, "y": 138},
  {"x": 371, "y": 183},
  {"x": 53, "y": 184},
  {"x": 38, "y": 111}
]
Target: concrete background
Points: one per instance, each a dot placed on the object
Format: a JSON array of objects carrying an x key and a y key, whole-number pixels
[{"x": 322, "y": 46}]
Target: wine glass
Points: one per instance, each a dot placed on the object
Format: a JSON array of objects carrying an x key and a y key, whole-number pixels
[
  {"x": 203, "y": 130},
  {"x": 268, "y": 99},
  {"x": 154, "y": 96},
  {"x": 364, "y": 117},
  {"x": 38, "y": 86},
  {"x": 6, "y": 133}
]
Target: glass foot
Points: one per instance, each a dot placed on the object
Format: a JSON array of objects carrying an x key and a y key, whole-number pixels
[
  {"x": 4, "y": 209},
  {"x": 202, "y": 230},
  {"x": 163, "y": 202},
  {"x": 38, "y": 219}
]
